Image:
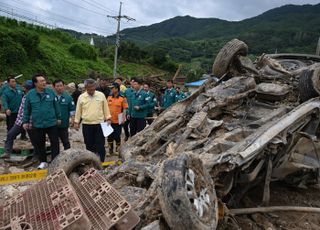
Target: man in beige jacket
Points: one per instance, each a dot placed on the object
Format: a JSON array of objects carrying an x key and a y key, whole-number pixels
[{"x": 92, "y": 109}]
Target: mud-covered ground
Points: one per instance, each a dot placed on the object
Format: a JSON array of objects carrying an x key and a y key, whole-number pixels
[{"x": 281, "y": 195}]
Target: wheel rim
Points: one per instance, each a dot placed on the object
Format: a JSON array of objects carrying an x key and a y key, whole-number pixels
[{"x": 199, "y": 198}]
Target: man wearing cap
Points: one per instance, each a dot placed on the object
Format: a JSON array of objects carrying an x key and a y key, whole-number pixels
[
  {"x": 139, "y": 108},
  {"x": 67, "y": 109},
  {"x": 11, "y": 100},
  {"x": 123, "y": 88},
  {"x": 118, "y": 106},
  {"x": 42, "y": 105},
  {"x": 152, "y": 102},
  {"x": 92, "y": 109},
  {"x": 17, "y": 127}
]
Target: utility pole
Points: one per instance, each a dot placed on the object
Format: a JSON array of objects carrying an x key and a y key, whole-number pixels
[{"x": 118, "y": 18}]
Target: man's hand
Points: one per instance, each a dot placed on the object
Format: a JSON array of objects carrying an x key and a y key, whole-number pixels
[
  {"x": 109, "y": 122},
  {"x": 76, "y": 126},
  {"x": 8, "y": 112},
  {"x": 136, "y": 107},
  {"x": 25, "y": 126},
  {"x": 58, "y": 122},
  {"x": 123, "y": 119},
  {"x": 72, "y": 121}
]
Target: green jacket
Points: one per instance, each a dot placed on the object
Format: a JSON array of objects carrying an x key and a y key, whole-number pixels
[
  {"x": 11, "y": 99},
  {"x": 43, "y": 108},
  {"x": 152, "y": 102},
  {"x": 3, "y": 88},
  {"x": 169, "y": 97},
  {"x": 67, "y": 109},
  {"x": 128, "y": 94},
  {"x": 139, "y": 98},
  {"x": 180, "y": 96}
]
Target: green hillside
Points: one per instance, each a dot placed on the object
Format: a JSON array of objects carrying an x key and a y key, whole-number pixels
[
  {"x": 27, "y": 49},
  {"x": 195, "y": 41},
  {"x": 287, "y": 28}
]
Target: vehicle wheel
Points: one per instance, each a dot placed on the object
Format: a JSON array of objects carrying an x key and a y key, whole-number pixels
[
  {"x": 72, "y": 159},
  {"x": 186, "y": 194},
  {"x": 291, "y": 65},
  {"x": 309, "y": 84},
  {"x": 227, "y": 55}
]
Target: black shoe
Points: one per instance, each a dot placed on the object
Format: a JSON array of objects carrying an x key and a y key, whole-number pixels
[{"x": 5, "y": 156}]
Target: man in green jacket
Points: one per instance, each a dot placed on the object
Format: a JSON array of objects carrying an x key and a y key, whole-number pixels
[
  {"x": 152, "y": 102},
  {"x": 128, "y": 94},
  {"x": 180, "y": 95},
  {"x": 139, "y": 108},
  {"x": 67, "y": 109},
  {"x": 169, "y": 97},
  {"x": 11, "y": 100},
  {"x": 42, "y": 106}
]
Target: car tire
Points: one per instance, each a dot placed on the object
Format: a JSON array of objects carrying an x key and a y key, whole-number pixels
[
  {"x": 227, "y": 55},
  {"x": 309, "y": 84},
  {"x": 71, "y": 159},
  {"x": 180, "y": 201}
]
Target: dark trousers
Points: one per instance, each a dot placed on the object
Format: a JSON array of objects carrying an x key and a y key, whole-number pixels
[
  {"x": 126, "y": 128},
  {"x": 64, "y": 137},
  {"x": 11, "y": 120},
  {"x": 149, "y": 121},
  {"x": 137, "y": 125},
  {"x": 13, "y": 133},
  {"x": 94, "y": 139},
  {"x": 116, "y": 135},
  {"x": 40, "y": 139}
]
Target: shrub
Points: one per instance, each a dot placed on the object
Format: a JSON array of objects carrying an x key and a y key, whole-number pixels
[
  {"x": 11, "y": 52},
  {"x": 83, "y": 51}
]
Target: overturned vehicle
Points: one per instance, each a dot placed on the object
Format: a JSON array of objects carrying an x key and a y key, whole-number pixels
[{"x": 250, "y": 123}]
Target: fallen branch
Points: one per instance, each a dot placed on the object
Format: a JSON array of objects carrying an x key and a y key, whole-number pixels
[{"x": 243, "y": 211}]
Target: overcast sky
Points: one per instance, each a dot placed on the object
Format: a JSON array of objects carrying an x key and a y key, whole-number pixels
[{"x": 90, "y": 15}]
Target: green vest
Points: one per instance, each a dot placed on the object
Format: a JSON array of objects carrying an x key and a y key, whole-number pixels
[
  {"x": 139, "y": 98},
  {"x": 128, "y": 94},
  {"x": 180, "y": 96},
  {"x": 152, "y": 102},
  {"x": 11, "y": 98},
  {"x": 67, "y": 109},
  {"x": 43, "y": 108},
  {"x": 169, "y": 97}
]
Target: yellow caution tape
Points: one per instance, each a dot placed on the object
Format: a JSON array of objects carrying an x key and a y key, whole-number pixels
[
  {"x": 104, "y": 164},
  {"x": 13, "y": 178}
]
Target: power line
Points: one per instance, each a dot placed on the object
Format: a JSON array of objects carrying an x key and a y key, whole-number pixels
[
  {"x": 98, "y": 6},
  {"x": 118, "y": 18},
  {"x": 26, "y": 18},
  {"x": 61, "y": 18},
  {"x": 79, "y": 6}
]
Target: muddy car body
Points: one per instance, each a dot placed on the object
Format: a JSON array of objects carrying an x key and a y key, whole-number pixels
[{"x": 258, "y": 123}]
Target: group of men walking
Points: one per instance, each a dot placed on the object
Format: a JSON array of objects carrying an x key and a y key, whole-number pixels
[{"x": 41, "y": 110}]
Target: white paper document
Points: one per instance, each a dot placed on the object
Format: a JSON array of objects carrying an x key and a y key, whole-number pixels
[
  {"x": 106, "y": 129},
  {"x": 120, "y": 118}
]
